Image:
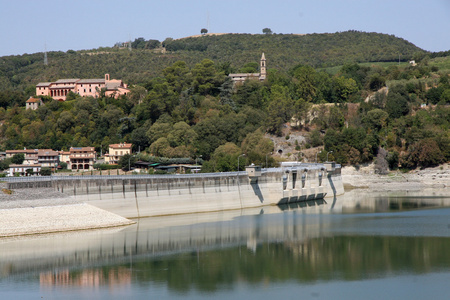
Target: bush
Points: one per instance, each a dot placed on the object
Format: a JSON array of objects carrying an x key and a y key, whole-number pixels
[
  {"x": 424, "y": 153},
  {"x": 46, "y": 172},
  {"x": 393, "y": 159},
  {"x": 99, "y": 166}
]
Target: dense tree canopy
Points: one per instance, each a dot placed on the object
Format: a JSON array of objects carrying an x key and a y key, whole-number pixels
[{"x": 189, "y": 107}]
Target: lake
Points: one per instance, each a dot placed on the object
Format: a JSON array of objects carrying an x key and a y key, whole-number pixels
[{"x": 361, "y": 245}]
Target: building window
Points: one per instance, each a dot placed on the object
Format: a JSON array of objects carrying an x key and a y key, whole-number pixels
[{"x": 85, "y": 90}]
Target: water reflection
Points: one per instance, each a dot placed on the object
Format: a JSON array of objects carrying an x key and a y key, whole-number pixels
[
  {"x": 114, "y": 277},
  {"x": 305, "y": 242}
]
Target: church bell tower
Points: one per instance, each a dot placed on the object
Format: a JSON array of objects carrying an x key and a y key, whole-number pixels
[{"x": 263, "y": 70}]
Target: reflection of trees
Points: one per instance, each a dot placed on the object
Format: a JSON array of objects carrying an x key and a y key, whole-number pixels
[{"x": 345, "y": 257}]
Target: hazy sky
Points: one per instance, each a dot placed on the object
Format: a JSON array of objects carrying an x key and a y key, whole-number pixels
[{"x": 26, "y": 26}]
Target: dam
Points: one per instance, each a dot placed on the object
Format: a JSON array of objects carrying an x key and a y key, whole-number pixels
[{"x": 136, "y": 196}]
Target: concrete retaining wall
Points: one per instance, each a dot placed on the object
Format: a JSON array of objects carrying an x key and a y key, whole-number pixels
[{"x": 142, "y": 196}]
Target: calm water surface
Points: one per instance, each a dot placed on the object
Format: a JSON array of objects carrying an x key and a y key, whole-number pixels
[{"x": 359, "y": 247}]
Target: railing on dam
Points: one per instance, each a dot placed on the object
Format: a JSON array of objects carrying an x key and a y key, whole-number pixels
[
  {"x": 174, "y": 180},
  {"x": 128, "y": 177}
]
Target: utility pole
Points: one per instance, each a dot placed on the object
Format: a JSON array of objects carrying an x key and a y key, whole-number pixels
[{"x": 45, "y": 55}]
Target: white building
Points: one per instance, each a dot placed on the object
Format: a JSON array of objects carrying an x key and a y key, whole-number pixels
[
  {"x": 241, "y": 77},
  {"x": 21, "y": 170}
]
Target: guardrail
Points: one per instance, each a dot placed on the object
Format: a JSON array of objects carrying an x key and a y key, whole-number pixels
[
  {"x": 141, "y": 176},
  {"x": 126, "y": 177}
]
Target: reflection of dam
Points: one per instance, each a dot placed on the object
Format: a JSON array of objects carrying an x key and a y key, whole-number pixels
[
  {"x": 296, "y": 224},
  {"x": 148, "y": 237},
  {"x": 360, "y": 200},
  {"x": 303, "y": 244}
]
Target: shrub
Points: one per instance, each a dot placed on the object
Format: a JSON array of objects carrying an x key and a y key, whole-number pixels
[
  {"x": 46, "y": 172},
  {"x": 99, "y": 166}
]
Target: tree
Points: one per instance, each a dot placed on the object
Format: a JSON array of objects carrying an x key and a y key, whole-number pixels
[
  {"x": 376, "y": 82},
  {"x": 204, "y": 31},
  {"x": 267, "y": 31},
  {"x": 425, "y": 153},
  {"x": 158, "y": 130},
  {"x": 181, "y": 134},
  {"x": 18, "y": 158},
  {"x": 381, "y": 164},
  {"x": 343, "y": 88},
  {"x": 393, "y": 159},
  {"x": 225, "y": 157},
  {"x": 256, "y": 142},
  {"x": 396, "y": 105},
  {"x": 46, "y": 172},
  {"x": 305, "y": 83},
  {"x": 126, "y": 162},
  {"x": 205, "y": 78},
  {"x": 315, "y": 139},
  {"x": 376, "y": 119},
  {"x": 138, "y": 43},
  {"x": 4, "y": 163},
  {"x": 160, "y": 147}
]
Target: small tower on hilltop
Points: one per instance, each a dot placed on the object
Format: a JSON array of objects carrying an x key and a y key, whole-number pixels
[{"x": 263, "y": 70}]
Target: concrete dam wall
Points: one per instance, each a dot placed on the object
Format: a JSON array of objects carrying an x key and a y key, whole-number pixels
[{"x": 150, "y": 195}]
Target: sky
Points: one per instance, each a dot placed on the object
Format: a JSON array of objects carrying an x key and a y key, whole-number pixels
[{"x": 30, "y": 26}]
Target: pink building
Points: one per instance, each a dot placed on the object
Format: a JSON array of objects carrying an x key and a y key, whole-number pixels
[
  {"x": 82, "y": 158},
  {"x": 59, "y": 89}
]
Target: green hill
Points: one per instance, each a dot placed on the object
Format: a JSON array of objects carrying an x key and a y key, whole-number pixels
[
  {"x": 334, "y": 85},
  {"x": 231, "y": 51}
]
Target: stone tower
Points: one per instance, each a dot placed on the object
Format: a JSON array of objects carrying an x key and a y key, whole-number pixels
[{"x": 263, "y": 70}]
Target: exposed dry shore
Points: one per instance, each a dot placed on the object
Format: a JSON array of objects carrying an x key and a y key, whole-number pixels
[
  {"x": 44, "y": 210},
  {"x": 365, "y": 177}
]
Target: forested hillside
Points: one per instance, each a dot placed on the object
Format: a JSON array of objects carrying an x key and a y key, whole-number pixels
[
  {"x": 230, "y": 51},
  {"x": 183, "y": 105}
]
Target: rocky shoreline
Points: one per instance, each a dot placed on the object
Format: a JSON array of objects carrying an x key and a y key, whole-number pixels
[{"x": 365, "y": 177}]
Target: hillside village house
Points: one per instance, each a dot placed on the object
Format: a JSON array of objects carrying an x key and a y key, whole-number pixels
[
  {"x": 21, "y": 170},
  {"x": 59, "y": 89},
  {"x": 33, "y": 103},
  {"x": 239, "y": 78},
  {"x": 78, "y": 158},
  {"x": 30, "y": 155},
  {"x": 116, "y": 151},
  {"x": 46, "y": 158},
  {"x": 81, "y": 158}
]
